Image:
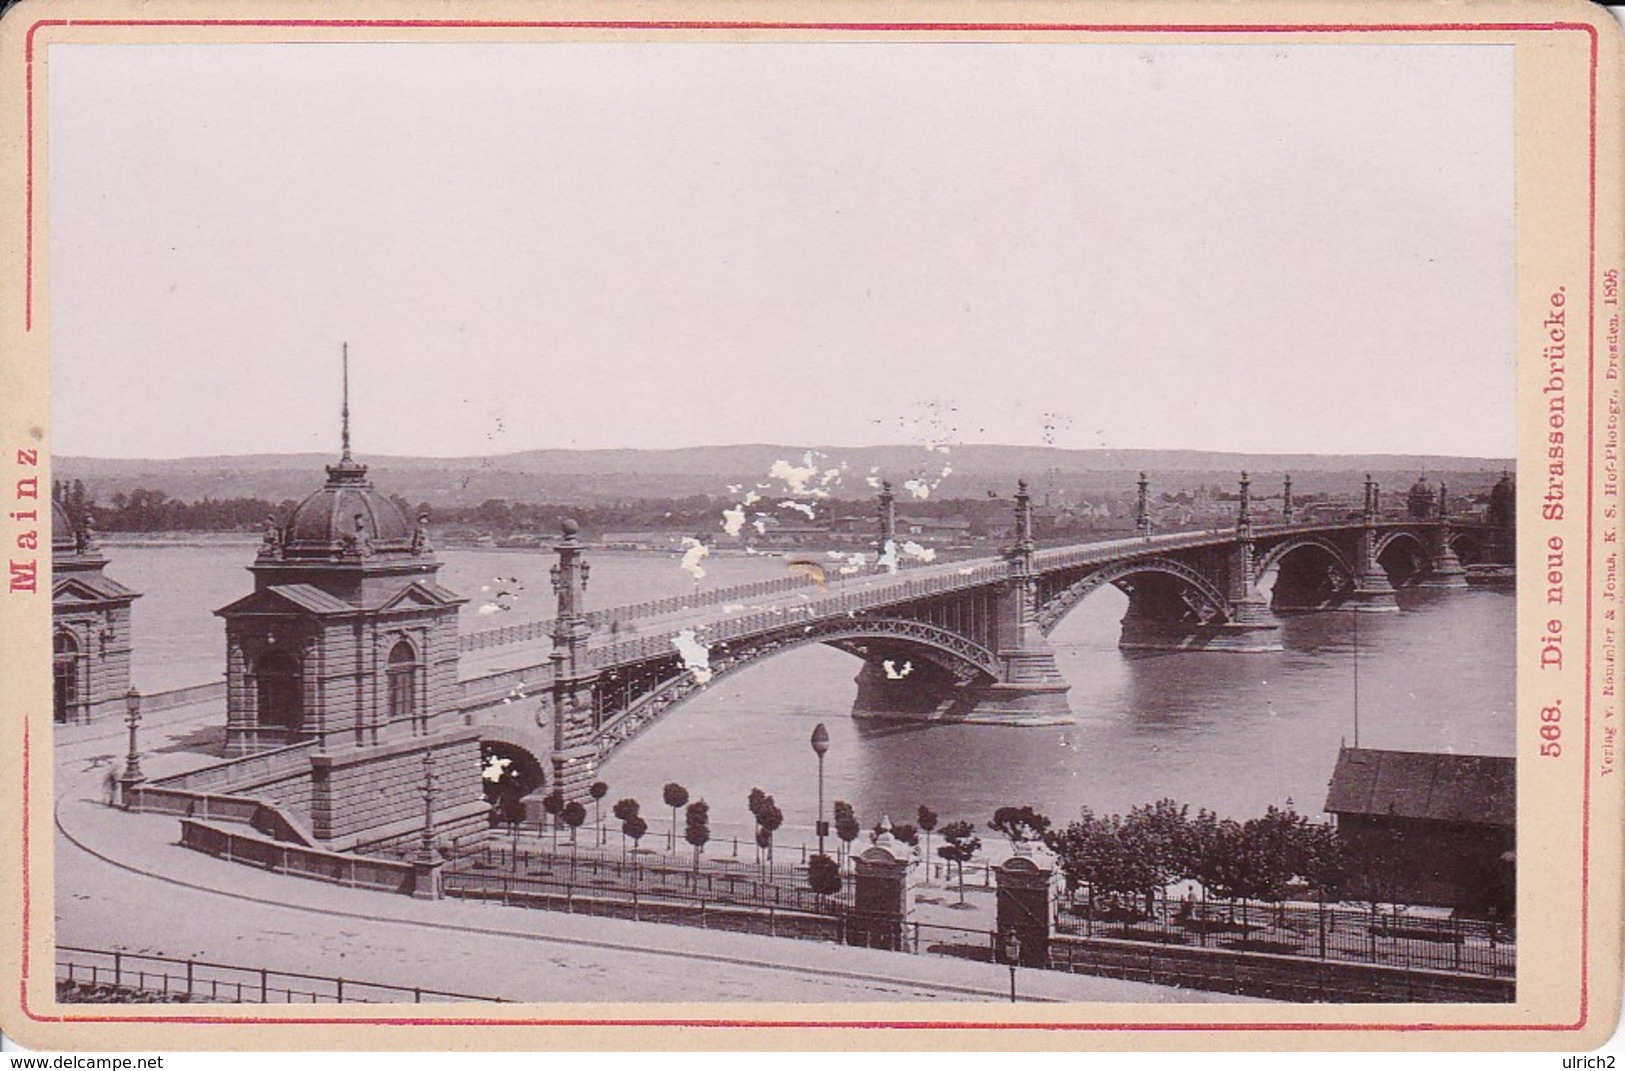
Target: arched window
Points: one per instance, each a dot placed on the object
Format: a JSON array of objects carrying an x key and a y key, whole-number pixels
[
  {"x": 279, "y": 690},
  {"x": 64, "y": 676},
  {"x": 402, "y": 675}
]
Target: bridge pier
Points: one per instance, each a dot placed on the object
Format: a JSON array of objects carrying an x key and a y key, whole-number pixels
[
  {"x": 1372, "y": 591},
  {"x": 1035, "y": 696},
  {"x": 1235, "y": 637},
  {"x": 1165, "y": 619},
  {"x": 1446, "y": 570}
]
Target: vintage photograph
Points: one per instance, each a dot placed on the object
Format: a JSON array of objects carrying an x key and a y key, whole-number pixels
[
  {"x": 781, "y": 528},
  {"x": 782, "y": 522}
]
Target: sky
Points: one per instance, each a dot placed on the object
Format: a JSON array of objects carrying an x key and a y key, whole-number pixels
[{"x": 1254, "y": 248}]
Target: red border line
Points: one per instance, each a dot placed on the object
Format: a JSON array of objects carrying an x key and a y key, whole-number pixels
[
  {"x": 1591, "y": 448},
  {"x": 1180, "y": 1027},
  {"x": 24, "y": 869}
]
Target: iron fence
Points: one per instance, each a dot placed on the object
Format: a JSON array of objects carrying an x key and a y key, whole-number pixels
[
  {"x": 1384, "y": 936},
  {"x": 594, "y": 882},
  {"x": 201, "y": 981}
]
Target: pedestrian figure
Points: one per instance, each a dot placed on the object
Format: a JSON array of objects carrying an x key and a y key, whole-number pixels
[{"x": 109, "y": 785}]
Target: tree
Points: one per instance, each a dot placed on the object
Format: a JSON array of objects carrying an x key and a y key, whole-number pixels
[
  {"x": 675, "y": 796},
  {"x": 961, "y": 847},
  {"x": 823, "y": 875},
  {"x": 697, "y": 828},
  {"x": 1109, "y": 855},
  {"x": 1219, "y": 864},
  {"x": 624, "y": 811},
  {"x": 553, "y": 804},
  {"x": 598, "y": 790},
  {"x": 846, "y": 824},
  {"x": 1274, "y": 852},
  {"x": 770, "y": 820},
  {"x": 902, "y": 832},
  {"x": 1162, "y": 837},
  {"x": 1019, "y": 824},
  {"x": 635, "y": 827},
  {"x": 574, "y": 814},
  {"x": 928, "y": 821},
  {"x": 1324, "y": 866},
  {"x": 510, "y": 812}
]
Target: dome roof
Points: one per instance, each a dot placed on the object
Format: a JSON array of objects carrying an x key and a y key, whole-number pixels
[
  {"x": 1423, "y": 486},
  {"x": 64, "y": 536},
  {"x": 345, "y": 512},
  {"x": 1503, "y": 489}
]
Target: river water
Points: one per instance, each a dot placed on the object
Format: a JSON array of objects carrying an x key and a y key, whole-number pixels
[{"x": 1226, "y": 731}]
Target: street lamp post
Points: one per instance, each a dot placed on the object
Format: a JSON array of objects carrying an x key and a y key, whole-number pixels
[
  {"x": 1012, "y": 956},
  {"x": 426, "y": 865},
  {"x": 426, "y": 844},
  {"x": 820, "y": 745},
  {"x": 132, "y": 761}
]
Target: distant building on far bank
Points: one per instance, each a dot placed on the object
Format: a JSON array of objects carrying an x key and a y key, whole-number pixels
[
  {"x": 90, "y": 625},
  {"x": 1423, "y": 828}
]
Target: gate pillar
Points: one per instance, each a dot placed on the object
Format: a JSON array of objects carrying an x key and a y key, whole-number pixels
[
  {"x": 880, "y": 893},
  {"x": 1025, "y": 881}
]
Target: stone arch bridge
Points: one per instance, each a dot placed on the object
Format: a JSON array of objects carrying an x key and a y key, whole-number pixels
[{"x": 967, "y": 640}]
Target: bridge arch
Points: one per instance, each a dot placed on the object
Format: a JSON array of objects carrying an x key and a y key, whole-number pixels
[
  {"x": 1468, "y": 545},
  {"x": 525, "y": 769},
  {"x": 1201, "y": 598},
  {"x": 1310, "y": 572},
  {"x": 944, "y": 655},
  {"x": 1404, "y": 556}
]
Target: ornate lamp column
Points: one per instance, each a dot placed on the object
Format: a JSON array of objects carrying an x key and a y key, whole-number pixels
[
  {"x": 132, "y": 774},
  {"x": 888, "y": 522},
  {"x": 426, "y": 864},
  {"x": 1446, "y": 570},
  {"x": 575, "y": 757},
  {"x": 1372, "y": 591},
  {"x": 1030, "y": 689},
  {"x": 1286, "y": 500},
  {"x": 1252, "y": 627},
  {"x": 1142, "y": 508}
]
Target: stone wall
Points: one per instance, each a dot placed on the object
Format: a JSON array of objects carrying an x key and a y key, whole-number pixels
[
  {"x": 357, "y": 791},
  {"x": 104, "y": 663}
]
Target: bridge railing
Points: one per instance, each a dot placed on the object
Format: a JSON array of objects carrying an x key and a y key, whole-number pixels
[
  {"x": 630, "y": 612},
  {"x": 901, "y": 588},
  {"x": 821, "y": 607}
]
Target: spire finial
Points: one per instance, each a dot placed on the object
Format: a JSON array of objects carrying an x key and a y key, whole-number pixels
[{"x": 344, "y": 412}]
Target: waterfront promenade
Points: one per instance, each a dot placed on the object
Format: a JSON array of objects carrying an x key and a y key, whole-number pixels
[{"x": 123, "y": 882}]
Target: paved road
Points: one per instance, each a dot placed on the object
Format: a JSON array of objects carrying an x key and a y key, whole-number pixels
[{"x": 124, "y": 882}]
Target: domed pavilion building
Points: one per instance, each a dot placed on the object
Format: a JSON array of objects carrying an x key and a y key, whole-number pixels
[
  {"x": 90, "y": 625},
  {"x": 1502, "y": 516},
  {"x": 348, "y": 647},
  {"x": 1422, "y": 502}
]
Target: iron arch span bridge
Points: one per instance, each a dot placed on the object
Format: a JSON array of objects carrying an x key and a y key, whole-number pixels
[{"x": 968, "y": 640}]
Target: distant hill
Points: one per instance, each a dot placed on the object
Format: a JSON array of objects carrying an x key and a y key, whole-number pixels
[{"x": 596, "y": 476}]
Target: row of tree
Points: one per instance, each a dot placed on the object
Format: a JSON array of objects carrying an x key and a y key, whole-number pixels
[
  {"x": 1119, "y": 860},
  {"x": 1138, "y": 855}
]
